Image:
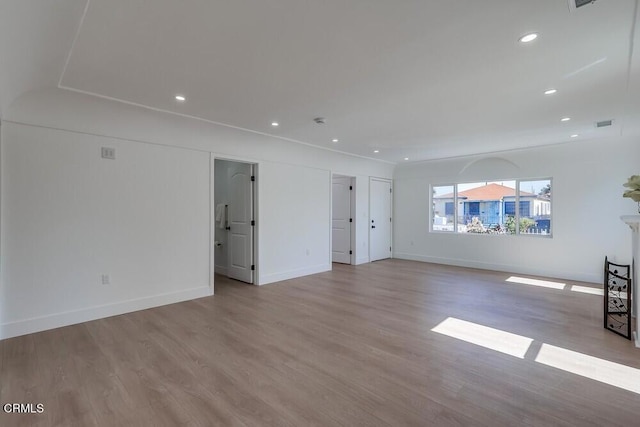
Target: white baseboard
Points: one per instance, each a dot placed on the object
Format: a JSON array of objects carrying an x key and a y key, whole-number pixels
[
  {"x": 508, "y": 268},
  {"x": 362, "y": 260},
  {"x": 219, "y": 269},
  {"x": 292, "y": 274},
  {"x": 57, "y": 320}
]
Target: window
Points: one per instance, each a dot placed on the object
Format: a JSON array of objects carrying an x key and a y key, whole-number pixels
[
  {"x": 535, "y": 207},
  {"x": 510, "y": 207},
  {"x": 442, "y": 208},
  {"x": 493, "y": 207},
  {"x": 448, "y": 209}
]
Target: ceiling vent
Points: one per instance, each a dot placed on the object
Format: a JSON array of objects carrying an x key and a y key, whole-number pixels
[
  {"x": 604, "y": 123},
  {"x": 575, "y": 4}
]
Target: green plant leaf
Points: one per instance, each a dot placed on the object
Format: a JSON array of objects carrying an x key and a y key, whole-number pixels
[
  {"x": 633, "y": 182},
  {"x": 632, "y": 194}
]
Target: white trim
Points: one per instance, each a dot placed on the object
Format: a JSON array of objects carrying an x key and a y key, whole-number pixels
[
  {"x": 354, "y": 220},
  {"x": 188, "y": 116},
  {"x": 212, "y": 227},
  {"x": 255, "y": 170},
  {"x": 217, "y": 155},
  {"x": 100, "y": 135},
  {"x": 292, "y": 274},
  {"x": 331, "y": 176},
  {"x": 507, "y": 268},
  {"x": 362, "y": 260},
  {"x": 57, "y": 320},
  {"x": 494, "y": 152},
  {"x": 73, "y": 43},
  {"x": 256, "y": 217}
]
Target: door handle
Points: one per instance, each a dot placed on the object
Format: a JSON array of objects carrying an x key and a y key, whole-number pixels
[{"x": 373, "y": 226}]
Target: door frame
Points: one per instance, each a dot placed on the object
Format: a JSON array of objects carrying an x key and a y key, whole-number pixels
[
  {"x": 390, "y": 181},
  {"x": 212, "y": 217},
  {"x": 352, "y": 206}
]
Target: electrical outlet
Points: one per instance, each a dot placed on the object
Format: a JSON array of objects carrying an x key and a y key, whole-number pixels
[
  {"x": 108, "y": 153},
  {"x": 106, "y": 280}
]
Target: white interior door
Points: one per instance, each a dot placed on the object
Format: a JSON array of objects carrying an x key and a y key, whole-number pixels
[
  {"x": 341, "y": 220},
  {"x": 380, "y": 219},
  {"x": 240, "y": 234}
]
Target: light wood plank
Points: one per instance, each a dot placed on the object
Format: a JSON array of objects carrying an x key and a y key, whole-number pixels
[{"x": 352, "y": 346}]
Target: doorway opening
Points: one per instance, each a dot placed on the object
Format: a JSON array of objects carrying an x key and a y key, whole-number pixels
[
  {"x": 234, "y": 220},
  {"x": 343, "y": 219}
]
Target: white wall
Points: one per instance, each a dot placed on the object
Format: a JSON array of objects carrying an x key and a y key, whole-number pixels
[
  {"x": 221, "y": 196},
  {"x": 62, "y": 109},
  {"x": 68, "y": 215},
  {"x": 587, "y": 204},
  {"x": 295, "y": 229}
]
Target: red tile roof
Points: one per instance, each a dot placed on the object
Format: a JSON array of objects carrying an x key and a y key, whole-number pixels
[{"x": 487, "y": 192}]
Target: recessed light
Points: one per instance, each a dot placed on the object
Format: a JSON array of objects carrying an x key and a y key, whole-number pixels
[
  {"x": 275, "y": 124},
  {"x": 575, "y": 135},
  {"x": 565, "y": 119},
  {"x": 528, "y": 38},
  {"x": 550, "y": 91},
  {"x": 376, "y": 151},
  {"x": 406, "y": 158},
  {"x": 180, "y": 98},
  {"x": 335, "y": 140}
]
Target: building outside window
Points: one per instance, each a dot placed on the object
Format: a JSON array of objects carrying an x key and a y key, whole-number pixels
[{"x": 493, "y": 207}]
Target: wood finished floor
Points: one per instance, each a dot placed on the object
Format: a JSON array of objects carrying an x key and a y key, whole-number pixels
[{"x": 350, "y": 347}]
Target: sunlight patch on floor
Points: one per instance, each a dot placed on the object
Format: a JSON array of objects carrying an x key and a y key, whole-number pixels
[
  {"x": 494, "y": 339},
  {"x": 587, "y": 290},
  {"x": 536, "y": 282},
  {"x": 591, "y": 367},
  {"x": 594, "y": 368}
]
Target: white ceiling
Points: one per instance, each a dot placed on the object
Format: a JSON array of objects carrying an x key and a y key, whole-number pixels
[
  {"x": 35, "y": 39},
  {"x": 412, "y": 78}
]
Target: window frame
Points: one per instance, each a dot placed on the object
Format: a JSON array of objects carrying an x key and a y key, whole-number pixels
[
  {"x": 517, "y": 202},
  {"x": 455, "y": 208}
]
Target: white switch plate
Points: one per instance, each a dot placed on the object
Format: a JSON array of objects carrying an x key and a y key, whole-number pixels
[{"x": 106, "y": 280}]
